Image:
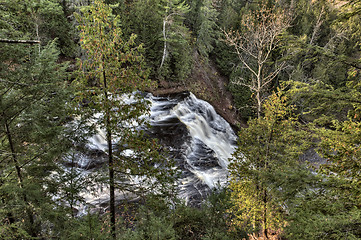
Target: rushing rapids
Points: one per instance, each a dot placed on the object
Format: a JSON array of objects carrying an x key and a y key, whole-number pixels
[{"x": 198, "y": 139}]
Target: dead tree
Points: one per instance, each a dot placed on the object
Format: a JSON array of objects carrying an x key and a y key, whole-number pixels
[{"x": 254, "y": 46}]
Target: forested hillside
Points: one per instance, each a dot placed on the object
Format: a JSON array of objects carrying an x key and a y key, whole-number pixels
[{"x": 286, "y": 74}]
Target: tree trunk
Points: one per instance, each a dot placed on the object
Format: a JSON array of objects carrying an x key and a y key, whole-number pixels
[
  {"x": 165, "y": 43},
  {"x": 259, "y": 104},
  {"x": 37, "y": 34},
  {"x": 20, "y": 180},
  {"x": 259, "y": 89},
  {"x": 265, "y": 195},
  {"x": 265, "y": 231},
  {"x": 110, "y": 159}
]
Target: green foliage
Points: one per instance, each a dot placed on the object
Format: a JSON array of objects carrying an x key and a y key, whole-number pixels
[
  {"x": 54, "y": 25},
  {"x": 203, "y": 17},
  {"x": 115, "y": 67},
  {"x": 258, "y": 46},
  {"x": 111, "y": 76},
  {"x": 271, "y": 189},
  {"x": 159, "y": 25},
  {"x": 189, "y": 223},
  {"x": 33, "y": 108},
  {"x": 242, "y": 96},
  {"x": 90, "y": 226},
  {"x": 320, "y": 102},
  {"x": 176, "y": 60},
  {"x": 225, "y": 58},
  {"x": 310, "y": 13},
  {"x": 321, "y": 209},
  {"x": 157, "y": 220},
  {"x": 325, "y": 89},
  {"x": 230, "y": 12},
  {"x": 40, "y": 20},
  {"x": 192, "y": 16},
  {"x": 151, "y": 227},
  {"x": 270, "y": 145},
  {"x": 145, "y": 19},
  {"x": 218, "y": 223},
  {"x": 207, "y": 222},
  {"x": 321, "y": 44},
  {"x": 321, "y": 62},
  {"x": 341, "y": 148}
]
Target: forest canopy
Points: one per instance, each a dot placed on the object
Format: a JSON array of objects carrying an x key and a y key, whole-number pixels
[{"x": 285, "y": 73}]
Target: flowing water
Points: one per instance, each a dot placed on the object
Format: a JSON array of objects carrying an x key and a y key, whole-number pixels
[
  {"x": 201, "y": 142},
  {"x": 198, "y": 139}
]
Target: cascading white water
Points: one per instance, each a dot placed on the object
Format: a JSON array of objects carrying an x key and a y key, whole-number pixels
[
  {"x": 198, "y": 139},
  {"x": 207, "y": 145},
  {"x": 206, "y": 125}
]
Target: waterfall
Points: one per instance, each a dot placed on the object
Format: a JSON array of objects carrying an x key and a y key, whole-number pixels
[
  {"x": 197, "y": 138},
  {"x": 208, "y": 141}
]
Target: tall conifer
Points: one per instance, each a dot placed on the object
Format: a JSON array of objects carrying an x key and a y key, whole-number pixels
[
  {"x": 109, "y": 76},
  {"x": 33, "y": 110}
]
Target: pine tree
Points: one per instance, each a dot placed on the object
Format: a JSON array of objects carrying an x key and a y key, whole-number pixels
[
  {"x": 146, "y": 21},
  {"x": 109, "y": 76},
  {"x": 33, "y": 110},
  {"x": 328, "y": 206},
  {"x": 206, "y": 34}
]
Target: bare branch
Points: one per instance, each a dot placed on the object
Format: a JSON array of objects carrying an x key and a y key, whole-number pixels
[
  {"x": 14, "y": 83},
  {"x": 258, "y": 42},
  {"x": 316, "y": 29},
  {"x": 20, "y": 41}
]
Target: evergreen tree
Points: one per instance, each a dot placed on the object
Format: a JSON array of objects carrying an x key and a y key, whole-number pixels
[
  {"x": 40, "y": 20},
  {"x": 33, "y": 109},
  {"x": 327, "y": 208},
  {"x": 146, "y": 21},
  {"x": 206, "y": 33},
  {"x": 269, "y": 147},
  {"x": 113, "y": 69},
  {"x": 176, "y": 58},
  {"x": 202, "y": 21},
  {"x": 230, "y": 12}
]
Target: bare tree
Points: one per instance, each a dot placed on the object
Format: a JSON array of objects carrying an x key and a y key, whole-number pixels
[{"x": 254, "y": 46}]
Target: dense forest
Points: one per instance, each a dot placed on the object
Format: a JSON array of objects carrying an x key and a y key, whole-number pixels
[{"x": 289, "y": 70}]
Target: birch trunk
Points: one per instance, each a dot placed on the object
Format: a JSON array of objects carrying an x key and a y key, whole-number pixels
[{"x": 165, "y": 53}]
